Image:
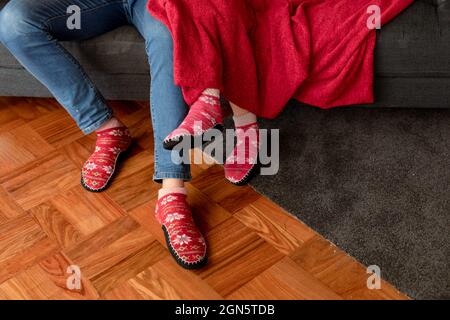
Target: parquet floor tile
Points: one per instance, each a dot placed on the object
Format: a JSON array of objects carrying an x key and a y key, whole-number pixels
[{"x": 51, "y": 228}]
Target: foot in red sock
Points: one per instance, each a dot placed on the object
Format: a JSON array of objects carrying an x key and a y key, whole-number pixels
[
  {"x": 184, "y": 240},
  {"x": 101, "y": 165},
  {"x": 242, "y": 164},
  {"x": 203, "y": 115}
]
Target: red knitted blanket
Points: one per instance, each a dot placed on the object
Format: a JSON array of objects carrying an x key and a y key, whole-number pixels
[{"x": 261, "y": 53}]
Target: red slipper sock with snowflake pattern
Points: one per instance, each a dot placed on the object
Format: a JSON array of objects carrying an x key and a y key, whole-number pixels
[
  {"x": 184, "y": 240},
  {"x": 101, "y": 165},
  {"x": 203, "y": 115},
  {"x": 242, "y": 163}
]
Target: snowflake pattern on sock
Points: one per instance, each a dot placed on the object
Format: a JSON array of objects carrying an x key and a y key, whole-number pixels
[
  {"x": 100, "y": 167},
  {"x": 203, "y": 115},
  {"x": 239, "y": 165},
  {"x": 185, "y": 242}
]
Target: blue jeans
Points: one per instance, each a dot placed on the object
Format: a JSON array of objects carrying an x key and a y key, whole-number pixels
[{"x": 32, "y": 29}]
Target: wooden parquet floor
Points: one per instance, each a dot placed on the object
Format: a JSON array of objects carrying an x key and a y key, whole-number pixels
[{"x": 48, "y": 223}]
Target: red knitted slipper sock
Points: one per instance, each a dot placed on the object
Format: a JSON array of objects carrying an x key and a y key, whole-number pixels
[
  {"x": 184, "y": 240},
  {"x": 203, "y": 115},
  {"x": 100, "y": 167},
  {"x": 242, "y": 164}
]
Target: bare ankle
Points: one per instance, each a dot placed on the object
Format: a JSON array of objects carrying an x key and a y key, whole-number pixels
[
  {"x": 238, "y": 111},
  {"x": 172, "y": 183},
  {"x": 171, "y": 186},
  {"x": 111, "y": 123},
  {"x": 244, "y": 119}
]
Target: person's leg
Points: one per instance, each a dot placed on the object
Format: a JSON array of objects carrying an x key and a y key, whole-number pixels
[
  {"x": 238, "y": 111},
  {"x": 31, "y": 30},
  {"x": 168, "y": 109}
]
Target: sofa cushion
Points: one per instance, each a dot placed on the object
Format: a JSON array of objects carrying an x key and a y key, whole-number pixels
[
  {"x": 121, "y": 51},
  {"x": 434, "y": 2},
  {"x": 415, "y": 44}
]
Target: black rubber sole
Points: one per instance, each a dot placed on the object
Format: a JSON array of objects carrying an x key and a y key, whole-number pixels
[
  {"x": 180, "y": 262},
  {"x": 170, "y": 144},
  {"x": 92, "y": 190},
  {"x": 255, "y": 171}
]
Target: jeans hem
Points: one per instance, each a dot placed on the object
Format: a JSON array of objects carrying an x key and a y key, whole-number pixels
[{"x": 91, "y": 128}]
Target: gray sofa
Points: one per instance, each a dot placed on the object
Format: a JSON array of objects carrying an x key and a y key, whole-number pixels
[{"x": 412, "y": 62}]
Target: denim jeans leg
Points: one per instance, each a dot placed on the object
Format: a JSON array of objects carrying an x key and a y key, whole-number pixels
[
  {"x": 32, "y": 29},
  {"x": 168, "y": 108}
]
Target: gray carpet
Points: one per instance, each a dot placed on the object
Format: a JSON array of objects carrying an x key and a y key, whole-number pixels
[{"x": 376, "y": 182}]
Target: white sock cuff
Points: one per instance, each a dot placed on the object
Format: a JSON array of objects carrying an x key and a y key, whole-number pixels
[
  {"x": 212, "y": 92},
  {"x": 165, "y": 191},
  {"x": 245, "y": 119}
]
